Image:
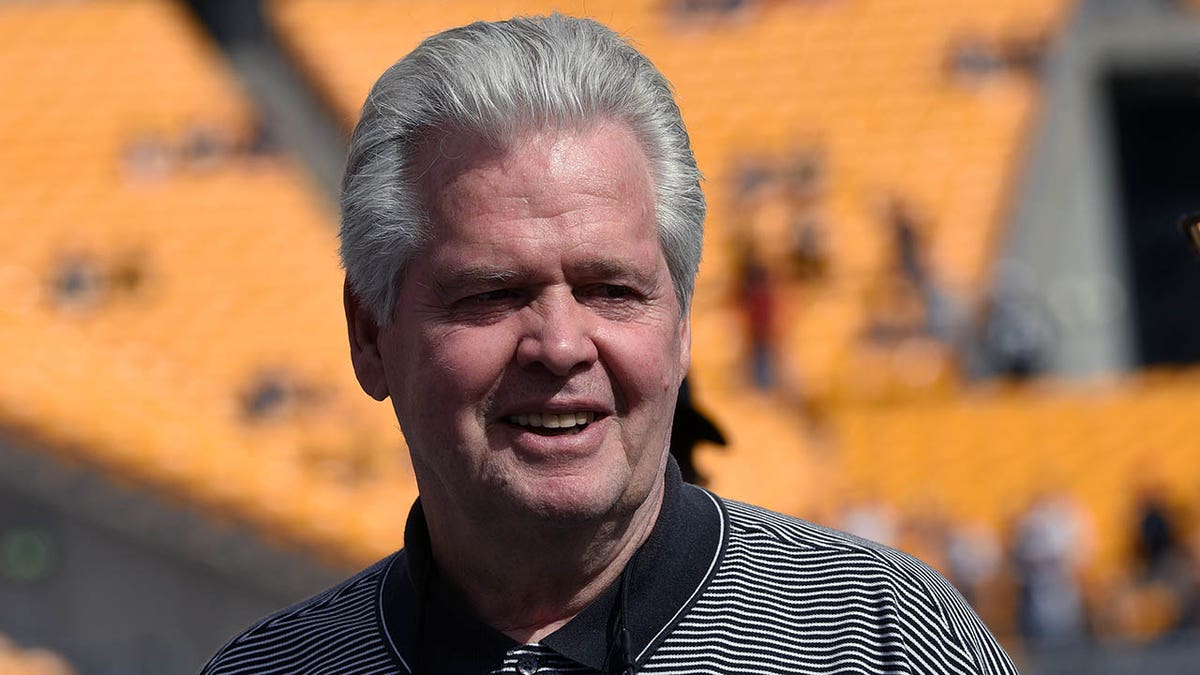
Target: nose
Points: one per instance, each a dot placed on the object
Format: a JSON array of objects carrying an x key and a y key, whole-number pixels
[{"x": 559, "y": 336}]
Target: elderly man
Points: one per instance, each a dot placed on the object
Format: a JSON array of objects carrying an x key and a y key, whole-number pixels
[{"x": 522, "y": 224}]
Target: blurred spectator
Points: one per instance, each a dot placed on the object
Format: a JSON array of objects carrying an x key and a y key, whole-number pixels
[
  {"x": 1026, "y": 52},
  {"x": 1018, "y": 333},
  {"x": 942, "y": 317},
  {"x": 804, "y": 191},
  {"x": 262, "y": 140},
  {"x": 148, "y": 157},
  {"x": 972, "y": 558},
  {"x": 204, "y": 147},
  {"x": 924, "y": 530},
  {"x": 808, "y": 247},
  {"x": 805, "y": 178},
  {"x": 689, "y": 428},
  {"x": 753, "y": 292},
  {"x": 78, "y": 283},
  {"x": 81, "y": 282},
  {"x": 758, "y": 304},
  {"x": 871, "y": 519},
  {"x": 690, "y": 8},
  {"x": 1051, "y": 545},
  {"x": 907, "y": 243},
  {"x": 1156, "y": 539},
  {"x": 270, "y": 395},
  {"x": 1167, "y": 569},
  {"x": 277, "y": 394},
  {"x": 751, "y": 176},
  {"x": 895, "y": 312},
  {"x": 972, "y": 58},
  {"x": 128, "y": 273}
]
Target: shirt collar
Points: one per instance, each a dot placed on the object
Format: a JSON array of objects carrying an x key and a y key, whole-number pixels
[{"x": 666, "y": 576}]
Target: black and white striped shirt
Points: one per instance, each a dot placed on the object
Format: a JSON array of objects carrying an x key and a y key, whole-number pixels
[{"x": 719, "y": 587}]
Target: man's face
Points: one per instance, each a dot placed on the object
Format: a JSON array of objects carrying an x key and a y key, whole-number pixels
[{"x": 537, "y": 344}]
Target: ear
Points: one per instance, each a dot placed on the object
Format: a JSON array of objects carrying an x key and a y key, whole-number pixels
[
  {"x": 685, "y": 345},
  {"x": 364, "y": 345}
]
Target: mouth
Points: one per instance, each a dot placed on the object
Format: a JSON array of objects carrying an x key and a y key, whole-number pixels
[{"x": 553, "y": 424}]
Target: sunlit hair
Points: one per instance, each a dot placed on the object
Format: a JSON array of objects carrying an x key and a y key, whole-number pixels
[{"x": 494, "y": 81}]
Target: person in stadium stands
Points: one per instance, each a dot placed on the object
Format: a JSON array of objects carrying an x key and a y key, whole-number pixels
[
  {"x": 521, "y": 229},
  {"x": 689, "y": 428}
]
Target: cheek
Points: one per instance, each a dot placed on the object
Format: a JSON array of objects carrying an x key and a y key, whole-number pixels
[
  {"x": 644, "y": 375},
  {"x": 465, "y": 363}
]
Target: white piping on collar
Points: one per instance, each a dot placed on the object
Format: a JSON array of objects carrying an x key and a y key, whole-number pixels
[
  {"x": 703, "y": 580},
  {"x": 383, "y": 615}
]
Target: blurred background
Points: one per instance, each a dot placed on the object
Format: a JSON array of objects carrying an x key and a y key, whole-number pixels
[{"x": 945, "y": 304}]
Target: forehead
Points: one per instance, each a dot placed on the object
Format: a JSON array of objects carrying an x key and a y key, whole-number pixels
[
  {"x": 446, "y": 153},
  {"x": 540, "y": 182}
]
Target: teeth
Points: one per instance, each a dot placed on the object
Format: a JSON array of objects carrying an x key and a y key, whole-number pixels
[{"x": 553, "y": 420}]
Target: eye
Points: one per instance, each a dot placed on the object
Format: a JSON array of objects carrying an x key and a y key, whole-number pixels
[
  {"x": 488, "y": 301},
  {"x": 610, "y": 293},
  {"x": 494, "y": 295},
  {"x": 487, "y": 306},
  {"x": 616, "y": 292}
]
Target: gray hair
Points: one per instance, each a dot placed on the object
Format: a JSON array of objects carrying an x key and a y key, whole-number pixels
[{"x": 495, "y": 80}]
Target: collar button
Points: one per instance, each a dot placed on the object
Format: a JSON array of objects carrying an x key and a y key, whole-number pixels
[{"x": 527, "y": 664}]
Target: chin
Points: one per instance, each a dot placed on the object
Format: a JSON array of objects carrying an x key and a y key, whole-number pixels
[{"x": 572, "y": 500}]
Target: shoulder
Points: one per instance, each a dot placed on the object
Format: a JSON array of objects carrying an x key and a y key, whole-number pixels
[
  {"x": 763, "y": 531},
  {"x": 814, "y": 558},
  {"x": 339, "y": 625},
  {"x": 764, "y": 534},
  {"x": 851, "y": 580}
]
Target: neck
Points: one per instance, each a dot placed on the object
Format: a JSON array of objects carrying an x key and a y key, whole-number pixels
[{"x": 528, "y": 581}]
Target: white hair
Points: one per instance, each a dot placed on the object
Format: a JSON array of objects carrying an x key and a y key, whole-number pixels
[{"x": 495, "y": 80}]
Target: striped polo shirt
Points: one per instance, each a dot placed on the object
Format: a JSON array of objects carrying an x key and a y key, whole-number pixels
[{"x": 719, "y": 587}]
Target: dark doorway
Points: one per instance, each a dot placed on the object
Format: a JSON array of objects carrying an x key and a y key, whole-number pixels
[{"x": 1156, "y": 117}]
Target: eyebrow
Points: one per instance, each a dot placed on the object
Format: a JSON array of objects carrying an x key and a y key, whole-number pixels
[
  {"x": 486, "y": 275},
  {"x": 605, "y": 268},
  {"x": 478, "y": 275}
]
